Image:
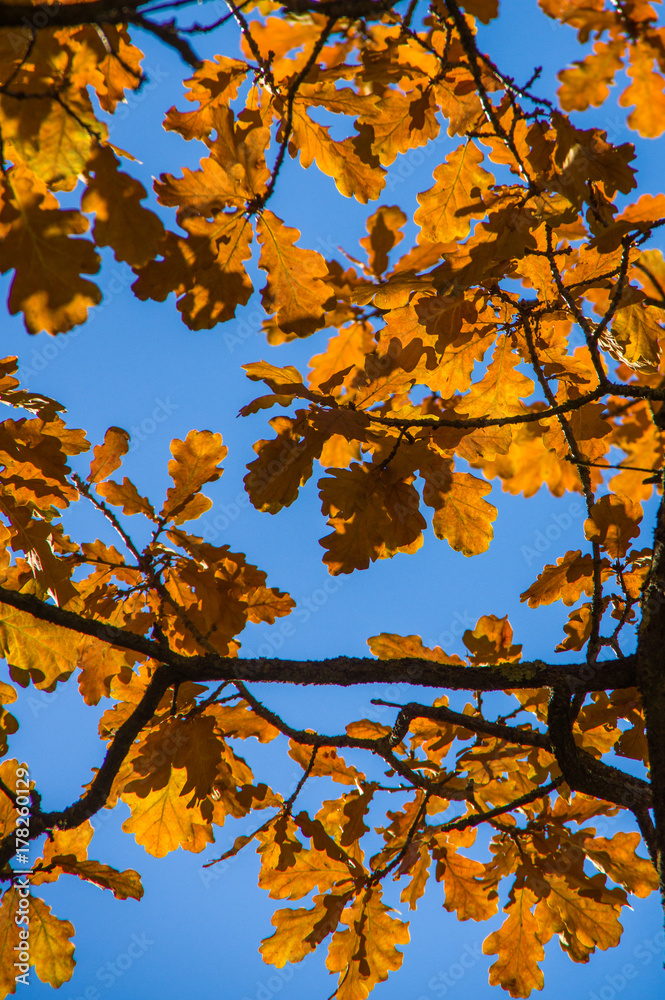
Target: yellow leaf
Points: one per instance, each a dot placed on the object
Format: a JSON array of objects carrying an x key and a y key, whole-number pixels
[
  {"x": 10, "y": 940},
  {"x": 613, "y": 523},
  {"x": 635, "y": 335},
  {"x": 47, "y": 287},
  {"x": 50, "y": 947},
  {"x": 161, "y": 819},
  {"x": 393, "y": 647},
  {"x": 446, "y": 210},
  {"x": 299, "y": 931},
  {"x": 195, "y": 462},
  {"x": 366, "y": 953},
  {"x": 44, "y": 651},
  {"x": 519, "y": 948},
  {"x": 108, "y": 456},
  {"x": 295, "y": 290}
]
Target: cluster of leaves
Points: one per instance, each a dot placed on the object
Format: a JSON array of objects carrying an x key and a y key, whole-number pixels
[{"x": 519, "y": 337}]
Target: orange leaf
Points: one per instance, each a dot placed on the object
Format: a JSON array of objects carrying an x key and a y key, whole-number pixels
[
  {"x": 47, "y": 287},
  {"x": 108, "y": 456},
  {"x": 366, "y": 953},
  {"x": 393, "y": 647},
  {"x": 195, "y": 462},
  {"x": 491, "y": 641},
  {"x": 295, "y": 290},
  {"x": 613, "y": 523},
  {"x": 446, "y": 210},
  {"x": 126, "y": 496},
  {"x": 518, "y": 945},
  {"x": 384, "y": 234},
  {"x": 567, "y": 581},
  {"x": 646, "y": 92}
]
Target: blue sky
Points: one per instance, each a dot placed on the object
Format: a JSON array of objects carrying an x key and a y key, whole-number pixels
[{"x": 136, "y": 365}]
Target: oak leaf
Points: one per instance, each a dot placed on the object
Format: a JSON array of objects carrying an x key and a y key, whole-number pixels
[
  {"x": 519, "y": 947},
  {"x": 366, "y": 953},
  {"x": 195, "y": 462},
  {"x": 446, "y": 210},
  {"x": 492, "y": 641},
  {"x": 48, "y": 287},
  {"x": 296, "y": 290}
]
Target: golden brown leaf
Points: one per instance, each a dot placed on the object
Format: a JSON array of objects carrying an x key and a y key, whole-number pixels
[
  {"x": 519, "y": 948},
  {"x": 121, "y": 222},
  {"x": 47, "y": 286},
  {"x": 446, "y": 210},
  {"x": 613, "y": 523},
  {"x": 492, "y": 641},
  {"x": 295, "y": 291},
  {"x": 195, "y": 462},
  {"x": 392, "y": 647},
  {"x": 366, "y": 953},
  {"x": 108, "y": 456}
]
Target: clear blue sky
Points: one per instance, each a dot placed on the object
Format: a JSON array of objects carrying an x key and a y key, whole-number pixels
[{"x": 196, "y": 932}]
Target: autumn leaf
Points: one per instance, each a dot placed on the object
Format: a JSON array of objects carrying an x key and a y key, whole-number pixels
[
  {"x": 384, "y": 234},
  {"x": 367, "y": 952},
  {"x": 37, "y": 651},
  {"x": 462, "y": 516},
  {"x": 48, "y": 287},
  {"x": 466, "y": 893},
  {"x": 374, "y": 516},
  {"x": 491, "y": 641},
  {"x": 614, "y": 522},
  {"x": 195, "y": 462},
  {"x": 567, "y": 581},
  {"x": 127, "y": 496},
  {"x": 391, "y": 647},
  {"x": 447, "y": 209},
  {"x": 646, "y": 92},
  {"x": 295, "y": 291},
  {"x": 519, "y": 948},
  {"x": 121, "y": 222},
  {"x": 109, "y": 455}
]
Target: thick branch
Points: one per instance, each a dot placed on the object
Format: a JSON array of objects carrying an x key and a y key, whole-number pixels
[
  {"x": 341, "y": 671},
  {"x": 96, "y": 796},
  {"x": 651, "y": 674},
  {"x": 585, "y": 773}
]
